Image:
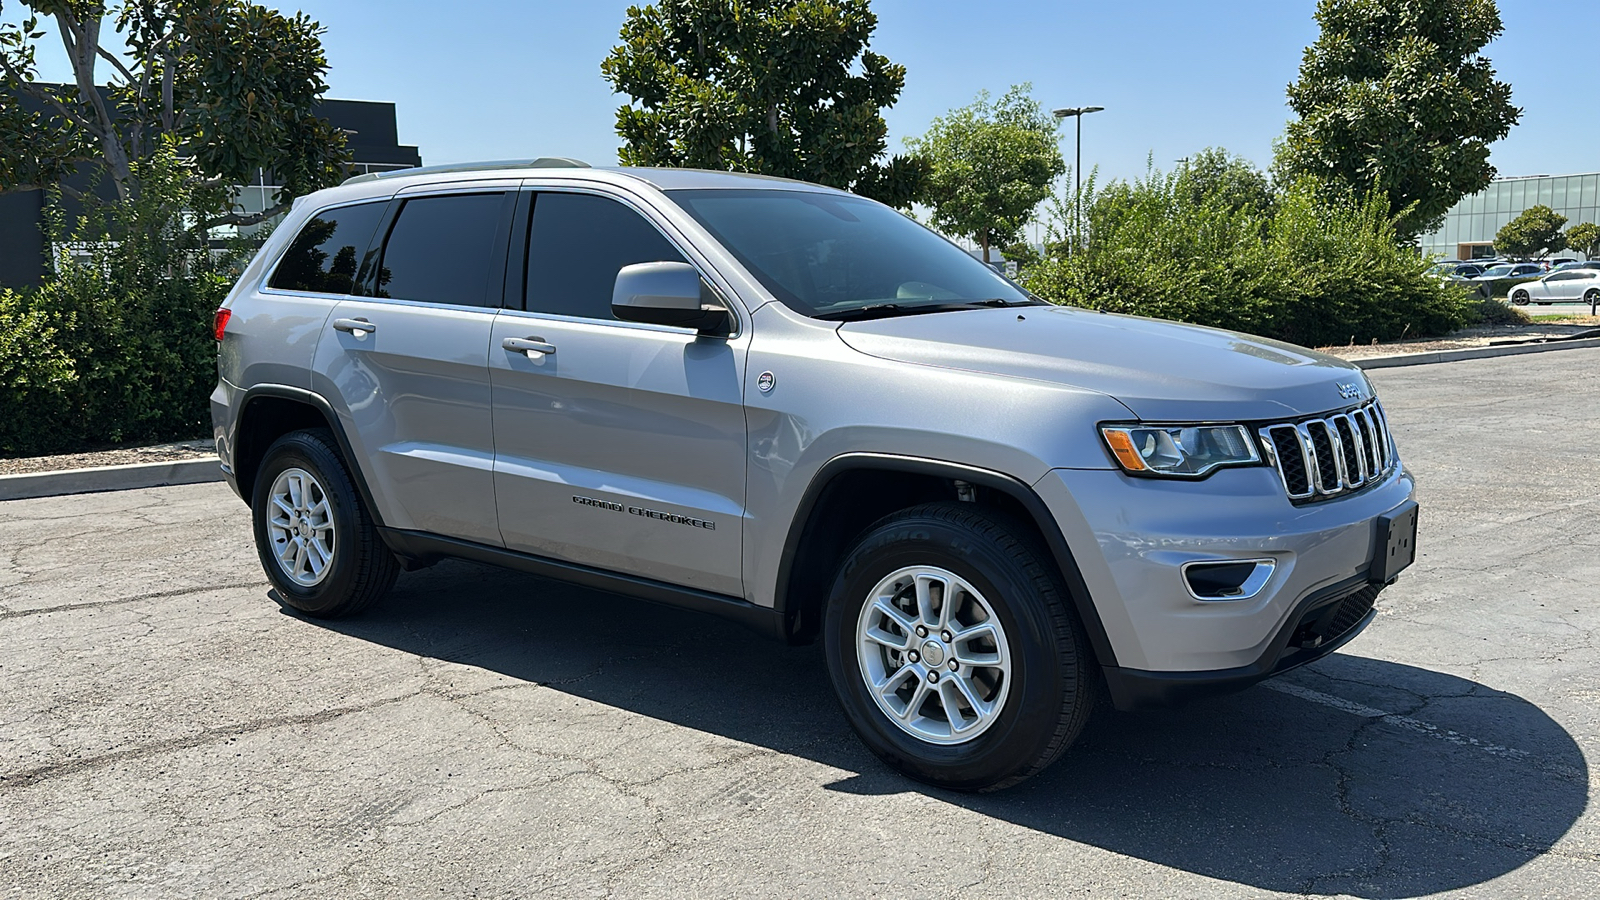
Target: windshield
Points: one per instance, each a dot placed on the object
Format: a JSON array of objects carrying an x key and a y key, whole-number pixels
[
  {"x": 1498, "y": 270},
  {"x": 829, "y": 255}
]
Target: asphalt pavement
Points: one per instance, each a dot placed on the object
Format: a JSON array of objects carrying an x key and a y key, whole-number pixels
[{"x": 169, "y": 731}]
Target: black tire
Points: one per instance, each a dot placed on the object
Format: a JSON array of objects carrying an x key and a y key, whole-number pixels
[
  {"x": 361, "y": 569},
  {"x": 1520, "y": 298},
  {"x": 1052, "y": 677},
  {"x": 1592, "y": 297}
]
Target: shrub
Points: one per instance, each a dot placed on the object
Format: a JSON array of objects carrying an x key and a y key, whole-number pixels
[
  {"x": 36, "y": 376},
  {"x": 1493, "y": 312},
  {"x": 1304, "y": 269},
  {"x": 130, "y": 315}
]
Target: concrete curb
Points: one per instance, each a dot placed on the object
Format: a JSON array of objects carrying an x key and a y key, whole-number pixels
[
  {"x": 1439, "y": 356},
  {"x": 109, "y": 478}
]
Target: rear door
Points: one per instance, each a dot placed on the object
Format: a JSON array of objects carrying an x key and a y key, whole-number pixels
[
  {"x": 623, "y": 447},
  {"x": 1586, "y": 281},
  {"x": 405, "y": 366}
]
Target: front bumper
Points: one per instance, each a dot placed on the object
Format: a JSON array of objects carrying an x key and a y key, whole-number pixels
[
  {"x": 1131, "y": 538},
  {"x": 1321, "y": 624}
]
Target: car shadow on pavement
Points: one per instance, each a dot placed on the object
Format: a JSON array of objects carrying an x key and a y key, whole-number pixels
[{"x": 1277, "y": 791}]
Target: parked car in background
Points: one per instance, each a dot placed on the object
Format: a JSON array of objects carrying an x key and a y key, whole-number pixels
[
  {"x": 1497, "y": 280},
  {"x": 1577, "y": 264},
  {"x": 1568, "y": 286},
  {"x": 1455, "y": 270}
]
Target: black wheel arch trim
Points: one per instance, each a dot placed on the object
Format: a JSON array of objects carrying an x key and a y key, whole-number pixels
[
  {"x": 1012, "y": 487},
  {"x": 321, "y": 405}
]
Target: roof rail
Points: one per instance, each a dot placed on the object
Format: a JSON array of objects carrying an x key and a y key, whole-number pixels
[{"x": 543, "y": 162}]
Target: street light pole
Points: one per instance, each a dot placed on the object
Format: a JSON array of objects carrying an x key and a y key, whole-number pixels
[{"x": 1077, "y": 112}]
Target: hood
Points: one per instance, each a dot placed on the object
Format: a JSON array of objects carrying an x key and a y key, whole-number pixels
[{"x": 1162, "y": 371}]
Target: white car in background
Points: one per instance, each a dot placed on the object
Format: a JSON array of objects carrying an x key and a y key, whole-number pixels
[{"x": 1568, "y": 285}]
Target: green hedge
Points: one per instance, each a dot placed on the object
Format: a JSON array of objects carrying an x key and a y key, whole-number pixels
[
  {"x": 1306, "y": 270},
  {"x": 116, "y": 346}
]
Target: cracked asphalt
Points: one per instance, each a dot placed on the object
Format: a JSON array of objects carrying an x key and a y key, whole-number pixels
[{"x": 167, "y": 731}]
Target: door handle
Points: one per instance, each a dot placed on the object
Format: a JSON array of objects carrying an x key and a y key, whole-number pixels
[
  {"x": 358, "y": 327},
  {"x": 534, "y": 347}
]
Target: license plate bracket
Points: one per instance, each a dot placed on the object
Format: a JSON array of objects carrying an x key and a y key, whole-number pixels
[{"x": 1396, "y": 545}]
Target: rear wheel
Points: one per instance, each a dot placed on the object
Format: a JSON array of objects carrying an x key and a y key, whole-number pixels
[
  {"x": 1592, "y": 297},
  {"x": 317, "y": 542},
  {"x": 953, "y": 649},
  {"x": 1520, "y": 298}
]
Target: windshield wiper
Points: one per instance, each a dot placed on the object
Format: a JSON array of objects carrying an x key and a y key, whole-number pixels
[
  {"x": 887, "y": 310},
  {"x": 1002, "y": 302}
]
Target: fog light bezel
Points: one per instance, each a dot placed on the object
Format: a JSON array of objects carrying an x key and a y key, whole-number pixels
[{"x": 1250, "y": 588}]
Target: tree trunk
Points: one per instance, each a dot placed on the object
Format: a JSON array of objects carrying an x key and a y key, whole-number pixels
[
  {"x": 82, "y": 42},
  {"x": 984, "y": 240}
]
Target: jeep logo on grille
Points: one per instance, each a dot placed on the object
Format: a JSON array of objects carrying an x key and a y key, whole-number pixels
[{"x": 1349, "y": 390}]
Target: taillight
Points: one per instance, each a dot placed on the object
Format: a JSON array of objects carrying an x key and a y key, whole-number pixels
[{"x": 219, "y": 322}]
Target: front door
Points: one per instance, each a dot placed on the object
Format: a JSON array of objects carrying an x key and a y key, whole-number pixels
[
  {"x": 406, "y": 368},
  {"x": 619, "y": 445}
]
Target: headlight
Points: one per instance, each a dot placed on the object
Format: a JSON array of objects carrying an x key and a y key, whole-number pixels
[{"x": 1179, "y": 450}]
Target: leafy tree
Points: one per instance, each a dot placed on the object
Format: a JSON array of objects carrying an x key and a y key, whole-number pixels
[
  {"x": 991, "y": 165},
  {"x": 1396, "y": 96},
  {"x": 1214, "y": 173},
  {"x": 231, "y": 85},
  {"x": 1585, "y": 239},
  {"x": 776, "y": 87},
  {"x": 1537, "y": 232}
]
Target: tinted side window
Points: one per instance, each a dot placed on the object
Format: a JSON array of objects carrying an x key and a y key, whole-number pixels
[
  {"x": 325, "y": 254},
  {"x": 441, "y": 249},
  {"x": 577, "y": 244}
]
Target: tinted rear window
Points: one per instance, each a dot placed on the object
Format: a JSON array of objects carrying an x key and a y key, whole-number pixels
[
  {"x": 326, "y": 254},
  {"x": 576, "y": 246},
  {"x": 441, "y": 250}
]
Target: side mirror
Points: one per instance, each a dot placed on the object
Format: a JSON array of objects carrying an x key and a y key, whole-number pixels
[{"x": 668, "y": 293}]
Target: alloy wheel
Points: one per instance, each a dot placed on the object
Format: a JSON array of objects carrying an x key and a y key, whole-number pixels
[
  {"x": 934, "y": 655},
  {"x": 300, "y": 527}
]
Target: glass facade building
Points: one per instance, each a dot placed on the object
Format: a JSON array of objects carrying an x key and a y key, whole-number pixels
[{"x": 1470, "y": 227}]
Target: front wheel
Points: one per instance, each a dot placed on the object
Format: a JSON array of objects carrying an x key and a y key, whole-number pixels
[
  {"x": 1520, "y": 298},
  {"x": 953, "y": 648},
  {"x": 317, "y": 542}
]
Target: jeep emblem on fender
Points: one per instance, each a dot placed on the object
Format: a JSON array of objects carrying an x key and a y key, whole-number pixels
[
  {"x": 1349, "y": 391},
  {"x": 766, "y": 382}
]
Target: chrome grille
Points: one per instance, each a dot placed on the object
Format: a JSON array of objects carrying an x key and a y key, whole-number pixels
[{"x": 1326, "y": 456}]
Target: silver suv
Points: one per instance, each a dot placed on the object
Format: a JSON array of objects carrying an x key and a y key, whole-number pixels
[{"x": 799, "y": 409}]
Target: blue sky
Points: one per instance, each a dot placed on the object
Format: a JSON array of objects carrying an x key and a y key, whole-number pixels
[{"x": 494, "y": 79}]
